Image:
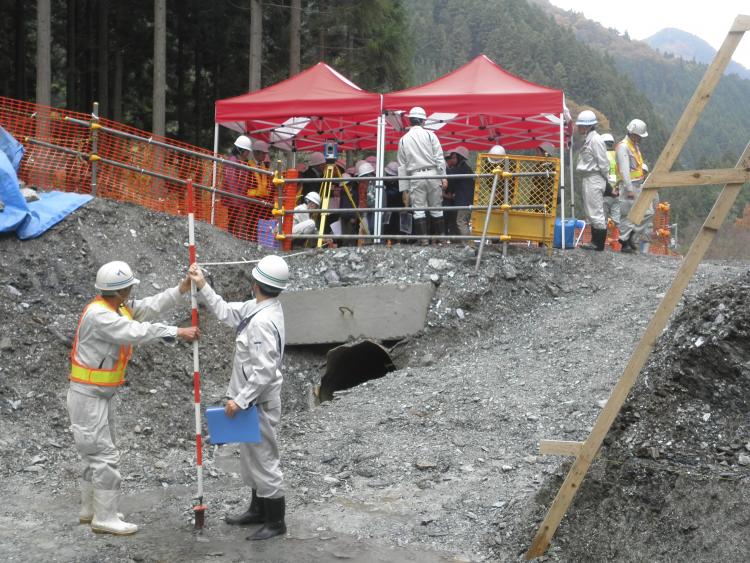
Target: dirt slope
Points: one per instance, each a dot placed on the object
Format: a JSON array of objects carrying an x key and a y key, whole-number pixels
[{"x": 436, "y": 461}]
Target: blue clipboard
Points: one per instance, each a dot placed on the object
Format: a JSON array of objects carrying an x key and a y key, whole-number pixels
[{"x": 241, "y": 428}]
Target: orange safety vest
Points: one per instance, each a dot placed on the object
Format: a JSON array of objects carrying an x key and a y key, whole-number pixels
[
  {"x": 259, "y": 183},
  {"x": 637, "y": 172},
  {"x": 94, "y": 376}
]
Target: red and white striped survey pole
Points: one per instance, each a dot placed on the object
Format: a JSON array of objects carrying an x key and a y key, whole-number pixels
[{"x": 199, "y": 508}]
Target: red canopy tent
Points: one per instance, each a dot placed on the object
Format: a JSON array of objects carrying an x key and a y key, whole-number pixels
[
  {"x": 305, "y": 110},
  {"x": 479, "y": 105}
]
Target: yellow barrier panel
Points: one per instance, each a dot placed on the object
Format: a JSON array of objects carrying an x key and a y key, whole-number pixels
[{"x": 512, "y": 191}]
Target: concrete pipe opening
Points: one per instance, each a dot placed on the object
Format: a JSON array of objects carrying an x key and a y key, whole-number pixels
[{"x": 352, "y": 364}]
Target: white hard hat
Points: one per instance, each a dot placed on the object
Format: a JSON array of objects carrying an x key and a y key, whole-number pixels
[
  {"x": 637, "y": 127},
  {"x": 372, "y": 159},
  {"x": 313, "y": 197},
  {"x": 391, "y": 169},
  {"x": 608, "y": 138},
  {"x": 496, "y": 150},
  {"x": 364, "y": 167},
  {"x": 586, "y": 118},
  {"x": 316, "y": 158},
  {"x": 272, "y": 271},
  {"x": 259, "y": 145},
  {"x": 114, "y": 276},
  {"x": 645, "y": 167},
  {"x": 243, "y": 142},
  {"x": 417, "y": 112}
]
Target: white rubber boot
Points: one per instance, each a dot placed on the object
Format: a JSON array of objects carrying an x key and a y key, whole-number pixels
[
  {"x": 87, "y": 503},
  {"x": 106, "y": 518}
]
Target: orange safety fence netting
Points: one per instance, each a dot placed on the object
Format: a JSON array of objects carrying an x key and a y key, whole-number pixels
[
  {"x": 658, "y": 234},
  {"x": 47, "y": 168}
]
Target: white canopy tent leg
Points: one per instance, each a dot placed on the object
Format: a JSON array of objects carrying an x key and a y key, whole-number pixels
[
  {"x": 562, "y": 180},
  {"x": 379, "y": 166}
]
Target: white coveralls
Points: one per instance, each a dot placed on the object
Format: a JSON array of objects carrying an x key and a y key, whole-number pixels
[
  {"x": 627, "y": 162},
  {"x": 256, "y": 379},
  {"x": 420, "y": 154},
  {"x": 303, "y": 224},
  {"x": 594, "y": 167},
  {"x": 92, "y": 407}
]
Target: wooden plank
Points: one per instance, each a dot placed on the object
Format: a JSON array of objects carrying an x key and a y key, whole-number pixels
[
  {"x": 700, "y": 177},
  {"x": 339, "y": 314},
  {"x": 685, "y": 125},
  {"x": 741, "y": 24},
  {"x": 559, "y": 447},
  {"x": 638, "y": 359}
]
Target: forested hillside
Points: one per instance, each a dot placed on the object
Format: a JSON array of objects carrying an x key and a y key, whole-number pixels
[
  {"x": 527, "y": 42},
  {"x": 103, "y": 50}
]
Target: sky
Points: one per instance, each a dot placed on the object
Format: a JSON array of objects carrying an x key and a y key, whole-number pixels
[{"x": 642, "y": 18}]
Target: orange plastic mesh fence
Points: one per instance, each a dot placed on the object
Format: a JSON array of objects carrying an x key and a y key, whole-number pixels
[
  {"x": 50, "y": 169},
  {"x": 659, "y": 235}
]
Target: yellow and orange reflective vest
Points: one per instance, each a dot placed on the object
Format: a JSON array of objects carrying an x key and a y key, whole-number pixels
[
  {"x": 637, "y": 172},
  {"x": 95, "y": 376}
]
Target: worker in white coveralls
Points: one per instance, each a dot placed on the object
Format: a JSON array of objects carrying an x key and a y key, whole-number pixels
[
  {"x": 304, "y": 224},
  {"x": 256, "y": 380},
  {"x": 630, "y": 174},
  {"x": 593, "y": 167},
  {"x": 420, "y": 154},
  {"x": 107, "y": 330}
]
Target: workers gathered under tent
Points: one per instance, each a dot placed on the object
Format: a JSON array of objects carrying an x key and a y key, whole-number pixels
[
  {"x": 630, "y": 173},
  {"x": 593, "y": 166},
  {"x": 420, "y": 154},
  {"x": 108, "y": 328},
  {"x": 256, "y": 380}
]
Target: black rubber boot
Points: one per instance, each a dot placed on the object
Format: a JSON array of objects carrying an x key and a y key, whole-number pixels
[
  {"x": 255, "y": 514},
  {"x": 274, "y": 524},
  {"x": 438, "y": 228},
  {"x": 599, "y": 238},
  {"x": 420, "y": 228},
  {"x": 627, "y": 245}
]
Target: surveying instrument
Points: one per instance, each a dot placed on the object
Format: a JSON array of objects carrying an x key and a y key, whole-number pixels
[{"x": 331, "y": 152}]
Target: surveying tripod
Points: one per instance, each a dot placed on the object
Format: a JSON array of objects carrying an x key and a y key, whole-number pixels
[{"x": 332, "y": 171}]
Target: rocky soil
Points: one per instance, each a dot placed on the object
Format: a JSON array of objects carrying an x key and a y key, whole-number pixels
[{"x": 438, "y": 460}]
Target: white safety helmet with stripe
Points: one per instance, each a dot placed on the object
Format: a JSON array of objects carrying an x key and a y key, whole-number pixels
[
  {"x": 114, "y": 276},
  {"x": 608, "y": 138},
  {"x": 587, "y": 118},
  {"x": 417, "y": 113},
  {"x": 272, "y": 271}
]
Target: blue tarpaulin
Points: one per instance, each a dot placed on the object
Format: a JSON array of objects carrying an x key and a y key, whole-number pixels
[{"x": 29, "y": 220}]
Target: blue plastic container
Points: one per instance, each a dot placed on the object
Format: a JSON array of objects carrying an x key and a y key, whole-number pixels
[
  {"x": 570, "y": 233},
  {"x": 267, "y": 233}
]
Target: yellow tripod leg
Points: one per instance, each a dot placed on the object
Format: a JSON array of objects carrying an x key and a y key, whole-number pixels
[{"x": 325, "y": 197}]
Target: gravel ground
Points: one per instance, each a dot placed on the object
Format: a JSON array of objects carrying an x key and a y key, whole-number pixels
[{"x": 438, "y": 460}]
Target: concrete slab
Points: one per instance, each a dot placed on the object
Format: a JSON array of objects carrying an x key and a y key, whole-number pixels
[{"x": 338, "y": 314}]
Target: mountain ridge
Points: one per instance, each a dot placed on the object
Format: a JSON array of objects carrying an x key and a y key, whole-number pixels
[{"x": 687, "y": 46}]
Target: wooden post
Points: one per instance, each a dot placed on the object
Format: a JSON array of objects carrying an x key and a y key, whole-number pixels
[
  {"x": 641, "y": 353},
  {"x": 661, "y": 317}
]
